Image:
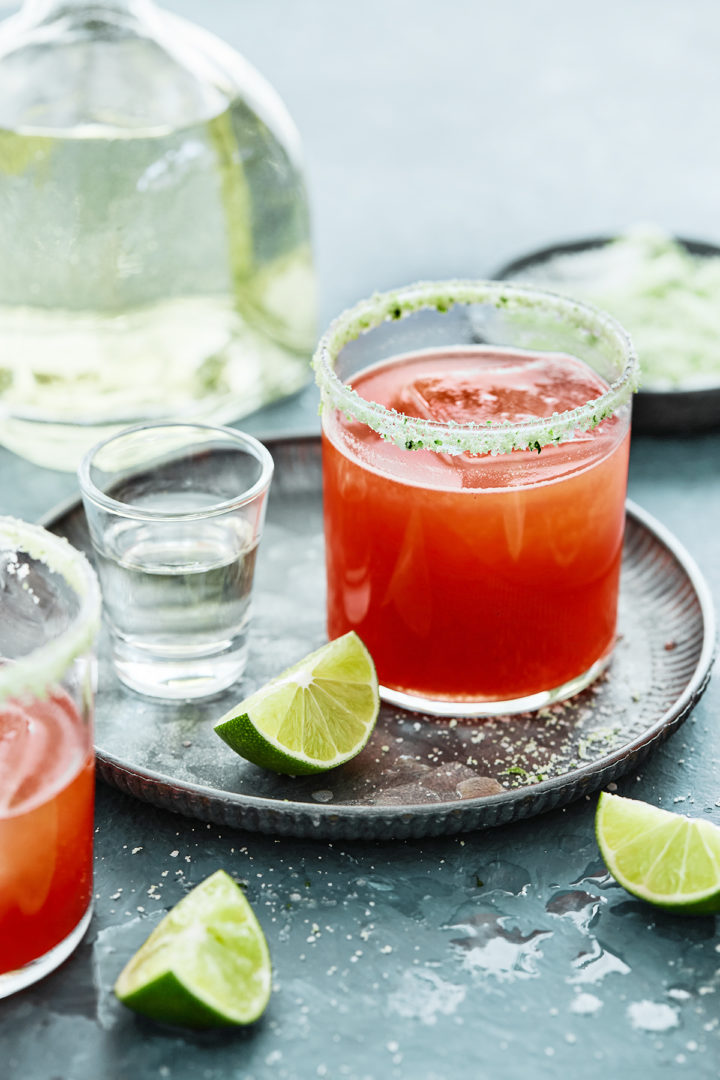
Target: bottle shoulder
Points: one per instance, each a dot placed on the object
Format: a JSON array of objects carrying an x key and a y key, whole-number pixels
[{"x": 116, "y": 75}]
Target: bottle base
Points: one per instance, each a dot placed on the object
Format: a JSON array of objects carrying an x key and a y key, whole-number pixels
[
  {"x": 463, "y": 708},
  {"x": 12, "y": 981}
]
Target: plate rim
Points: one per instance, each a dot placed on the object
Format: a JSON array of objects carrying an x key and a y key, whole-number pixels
[
  {"x": 518, "y": 264},
  {"x": 424, "y": 813}
]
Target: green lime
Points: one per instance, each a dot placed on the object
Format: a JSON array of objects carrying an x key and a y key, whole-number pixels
[
  {"x": 667, "y": 859},
  {"x": 316, "y": 715},
  {"x": 205, "y": 965}
]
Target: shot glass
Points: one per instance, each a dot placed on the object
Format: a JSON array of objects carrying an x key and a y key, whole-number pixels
[
  {"x": 475, "y": 455},
  {"x": 49, "y": 618},
  {"x": 175, "y": 513}
]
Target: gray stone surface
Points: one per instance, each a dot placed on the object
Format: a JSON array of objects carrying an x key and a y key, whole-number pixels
[{"x": 441, "y": 140}]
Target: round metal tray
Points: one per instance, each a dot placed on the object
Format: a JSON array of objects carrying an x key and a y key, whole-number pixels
[
  {"x": 418, "y": 776},
  {"x": 679, "y": 411}
]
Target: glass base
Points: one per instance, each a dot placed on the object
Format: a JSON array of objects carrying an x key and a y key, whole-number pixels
[
  {"x": 466, "y": 709},
  {"x": 179, "y": 680},
  {"x": 12, "y": 981}
]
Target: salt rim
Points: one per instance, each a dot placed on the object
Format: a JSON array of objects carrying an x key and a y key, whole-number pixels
[
  {"x": 37, "y": 671},
  {"x": 414, "y": 433}
]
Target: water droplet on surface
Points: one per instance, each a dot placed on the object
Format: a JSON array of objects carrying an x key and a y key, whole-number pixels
[
  {"x": 422, "y": 995},
  {"x": 495, "y": 949},
  {"x": 581, "y": 907},
  {"x": 594, "y": 871},
  {"x": 596, "y": 964},
  {"x": 504, "y": 876}
]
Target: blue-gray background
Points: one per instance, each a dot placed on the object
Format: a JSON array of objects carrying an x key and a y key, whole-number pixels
[{"x": 441, "y": 140}]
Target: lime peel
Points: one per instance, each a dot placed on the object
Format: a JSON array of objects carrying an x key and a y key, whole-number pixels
[
  {"x": 667, "y": 859},
  {"x": 314, "y": 716}
]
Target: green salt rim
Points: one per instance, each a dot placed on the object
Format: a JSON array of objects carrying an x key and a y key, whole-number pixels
[
  {"x": 40, "y": 669},
  {"x": 414, "y": 433}
]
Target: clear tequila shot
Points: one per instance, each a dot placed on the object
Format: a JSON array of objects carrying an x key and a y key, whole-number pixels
[{"x": 176, "y": 513}]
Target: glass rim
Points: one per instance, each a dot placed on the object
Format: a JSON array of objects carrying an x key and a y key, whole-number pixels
[
  {"x": 42, "y": 667},
  {"x": 241, "y": 439},
  {"x": 415, "y": 433}
]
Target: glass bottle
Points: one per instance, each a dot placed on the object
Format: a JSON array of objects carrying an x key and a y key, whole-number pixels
[{"x": 154, "y": 228}]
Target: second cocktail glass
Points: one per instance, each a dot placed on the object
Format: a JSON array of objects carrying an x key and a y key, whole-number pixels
[
  {"x": 49, "y": 617},
  {"x": 175, "y": 513},
  {"x": 475, "y": 453}
]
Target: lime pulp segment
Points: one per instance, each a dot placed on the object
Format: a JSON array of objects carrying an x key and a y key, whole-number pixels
[
  {"x": 316, "y": 715},
  {"x": 205, "y": 965},
  {"x": 667, "y": 859}
]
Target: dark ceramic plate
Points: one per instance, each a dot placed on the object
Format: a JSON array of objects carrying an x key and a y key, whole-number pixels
[
  {"x": 418, "y": 776},
  {"x": 673, "y": 412}
]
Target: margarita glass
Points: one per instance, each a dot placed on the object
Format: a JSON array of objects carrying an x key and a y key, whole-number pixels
[
  {"x": 475, "y": 453},
  {"x": 50, "y": 614}
]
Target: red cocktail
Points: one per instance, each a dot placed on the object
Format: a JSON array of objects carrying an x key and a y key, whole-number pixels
[
  {"x": 49, "y": 602},
  {"x": 46, "y": 816},
  {"x": 474, "y": 495}
]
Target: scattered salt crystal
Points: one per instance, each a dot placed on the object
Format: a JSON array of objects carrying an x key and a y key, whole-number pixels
[
  {"x": 585, "y": 1004},
  {"x": 652, "y": 1016}
]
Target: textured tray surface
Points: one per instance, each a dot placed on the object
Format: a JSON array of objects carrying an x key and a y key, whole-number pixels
[{"x": 418, "y": 776}]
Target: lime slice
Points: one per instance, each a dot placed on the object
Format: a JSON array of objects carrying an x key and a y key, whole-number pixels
[
  {"x": 316, "y": 715},
  {"x": 205, "y": 965},
  {"x": 667, "y": 859}
]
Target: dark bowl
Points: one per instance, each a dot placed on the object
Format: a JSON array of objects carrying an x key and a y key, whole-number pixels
[{"x": 655, "y": 412}]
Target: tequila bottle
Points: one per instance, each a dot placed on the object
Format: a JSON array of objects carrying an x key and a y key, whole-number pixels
[{"x": 154, "y": 230}]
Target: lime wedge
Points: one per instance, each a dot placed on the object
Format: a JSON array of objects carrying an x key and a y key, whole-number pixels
[
  {"x": 315, "y": 716},
  {"x": 205, "y": 965},
  {"x": 667, "y": 859}
]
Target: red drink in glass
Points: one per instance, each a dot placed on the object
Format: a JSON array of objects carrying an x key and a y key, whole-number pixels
[
  {"x": 475, "y": 454},
  {"x": 459, "y": 571},
  {"x": 46, "y": 826},
  {"x": 49, "y": 619}
]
